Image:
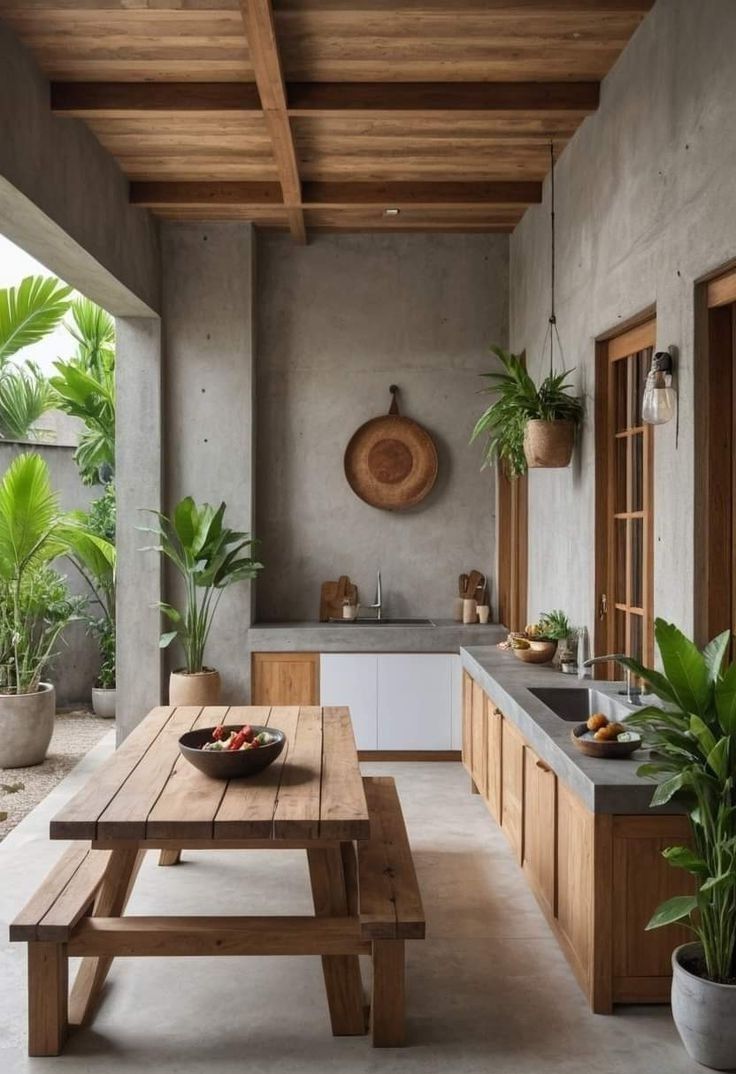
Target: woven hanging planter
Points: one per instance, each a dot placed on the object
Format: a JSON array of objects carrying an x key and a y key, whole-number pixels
[{"x": 548, "y": 444}]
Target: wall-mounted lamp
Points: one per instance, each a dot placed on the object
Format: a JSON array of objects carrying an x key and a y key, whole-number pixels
[{"x": 660, "y": 398}]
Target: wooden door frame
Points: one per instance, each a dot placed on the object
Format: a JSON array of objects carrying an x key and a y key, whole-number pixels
[
  {"x": 512, "y": 548},
  {"x": 715, "y": 439},
  {"x": 637, "y": 335}
]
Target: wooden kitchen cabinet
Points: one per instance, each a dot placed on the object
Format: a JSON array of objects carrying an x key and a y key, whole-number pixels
[
  {"x": 467, "y": 723},
  {"x": 284, "y": 679},
  {"x": 540, "y": 828},
  {"x": 512, "y": 788},
  {"x": 494, "y": 757},
  {"x": 479, "y": 740}
]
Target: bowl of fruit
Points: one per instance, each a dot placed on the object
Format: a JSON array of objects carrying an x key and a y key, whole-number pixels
[
  {"x": 601, "y": 737},
  {"x": 229, "y": 751},
  {"x": 537, "y": 643}
]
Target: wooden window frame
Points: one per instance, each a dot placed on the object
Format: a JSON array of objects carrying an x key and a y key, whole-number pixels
[
  {"x": 512, "y": 548},
  {"x": 640, "y": 336},
  {"x": 714, "y": 492}
]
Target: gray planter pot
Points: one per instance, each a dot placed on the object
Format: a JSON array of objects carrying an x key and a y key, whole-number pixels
[
  {"x": 26, "y": 726},
  {"x": 704, "y": 1013},
  {"x": 103, "y": 701}
]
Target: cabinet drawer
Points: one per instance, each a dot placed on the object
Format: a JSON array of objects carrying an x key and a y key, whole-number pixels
[{"x": 512, "y": 788}]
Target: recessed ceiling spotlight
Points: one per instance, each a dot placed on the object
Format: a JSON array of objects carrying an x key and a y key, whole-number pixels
[{"x": 391, "y": 212}]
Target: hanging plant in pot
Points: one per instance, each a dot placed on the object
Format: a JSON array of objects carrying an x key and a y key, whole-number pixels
[
  {"x": 34, "y": 609},
  {"x": 209, "y": 558},
  {"x": 693, "y": 735},
  {"x": 528, "y": 425}
]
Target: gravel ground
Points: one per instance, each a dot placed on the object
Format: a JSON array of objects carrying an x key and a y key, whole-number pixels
[{"x": 21, "y": 789}]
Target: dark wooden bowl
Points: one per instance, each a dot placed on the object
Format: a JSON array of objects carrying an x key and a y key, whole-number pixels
[
  {"x": 613, "y": 750},
  {"x": 220, "y": 764}
]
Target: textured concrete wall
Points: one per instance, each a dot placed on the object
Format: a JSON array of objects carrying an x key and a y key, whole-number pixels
[
  {"x": 139, "y": 485},
  {"x": 64, "y": 199},
  {"x": 646, "y": 204},
  {"x": 339, "y": 321},
  {"x": 208, "y": 379},
  {"x": 75, "y": 669}
]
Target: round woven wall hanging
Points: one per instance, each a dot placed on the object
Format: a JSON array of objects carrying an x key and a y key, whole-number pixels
[{"x": 391, "y": 461}]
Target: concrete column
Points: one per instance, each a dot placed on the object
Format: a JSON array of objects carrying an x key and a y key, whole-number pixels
[
  {"x": 208, "y": 446},
  {"x": 138, "y": 478}
]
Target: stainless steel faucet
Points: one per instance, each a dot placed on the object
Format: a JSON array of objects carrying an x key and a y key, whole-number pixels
[
  {"x": 377, "y": 606},
  {"x": 633, "y": 696}
]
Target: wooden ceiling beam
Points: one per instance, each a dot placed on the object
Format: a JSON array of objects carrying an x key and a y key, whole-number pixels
[
  {"x": 365, "y": 99},
  {"x": 264, "y": 55},
  {"x": 338, "y": 195}
]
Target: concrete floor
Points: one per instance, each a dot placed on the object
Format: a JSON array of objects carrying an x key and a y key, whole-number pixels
[{"x": 488, "y": 990}]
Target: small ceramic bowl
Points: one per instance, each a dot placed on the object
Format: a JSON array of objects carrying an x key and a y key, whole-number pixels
[
  {"x": 226, "y": 764},
  {"x": 539, "y": 652},
  {"x": 614, "y": 750}
]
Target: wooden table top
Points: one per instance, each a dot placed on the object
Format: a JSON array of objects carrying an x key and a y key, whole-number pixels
[{"x": 148, "y": 791}]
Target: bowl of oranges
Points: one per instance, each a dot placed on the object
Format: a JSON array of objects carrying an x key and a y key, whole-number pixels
[{"x": 601, "y": 737}]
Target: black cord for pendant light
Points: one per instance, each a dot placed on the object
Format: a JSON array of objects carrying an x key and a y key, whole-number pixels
[{"x": 552, "y": 315}]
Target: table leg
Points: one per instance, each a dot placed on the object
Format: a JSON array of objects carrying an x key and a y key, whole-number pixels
[
  {"x": 169, "y": 857},
  {"x": 111, "y": 901},
  {"x": 388, "y": 1008},
  {"x": 47, "y": 998},
  {"x": 332, "y": 875}
]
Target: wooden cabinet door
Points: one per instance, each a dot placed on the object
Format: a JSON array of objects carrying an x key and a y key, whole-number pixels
[
  {"x": 540, "y": 828},
  {"x": 467, "y": 750},
  {"x": 284, "y": 679},
  {"x": 414, "y": 701},
  {"x": 479, "y": 740},
  {"x": 575, "y": 881},
  {"x": 352, "y": 679},
  {"x": 494, "y": 751},
  {"x": 512, "y": 788}
]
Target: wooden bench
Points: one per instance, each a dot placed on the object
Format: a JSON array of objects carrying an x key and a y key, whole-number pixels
[
  {"x": 78, "y": 885},
  {"x": 390, "y": 907}
]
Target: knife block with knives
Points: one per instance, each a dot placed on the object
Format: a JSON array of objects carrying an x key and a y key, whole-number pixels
[{"x": 472, "y": 586}]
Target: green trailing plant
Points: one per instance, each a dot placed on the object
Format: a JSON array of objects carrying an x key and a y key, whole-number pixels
[
  {"x": 25, "y": 396},
  {"x": 209, "y": 558},
  {"x": 92, "y": 551},
  {"x": 34, "y": 602},
  {"x": 85, "y": 387},
  {"x": 519, "y": 400},
  {"x": 693, "y": 736}
]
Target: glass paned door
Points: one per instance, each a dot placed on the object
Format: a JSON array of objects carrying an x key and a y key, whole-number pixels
[{"x": 624, "y": 456}]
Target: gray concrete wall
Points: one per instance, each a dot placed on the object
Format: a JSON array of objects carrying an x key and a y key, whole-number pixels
[
  {"x": 208, "y": 386},
  {"x": 339, "y": 321},
  {"x": 75, "y": 668},
  {"x": 646, "y": 204},
  {"x": 64, "y": 199}
]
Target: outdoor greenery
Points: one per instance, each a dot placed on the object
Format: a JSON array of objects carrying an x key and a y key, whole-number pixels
[
  {"x": 34, "y": 602},
  {"x": 519, "y": 400},
  {"x": 25, "y": 396},
  {"x": 85, "y": 388},
  {"x": 209, "y": 557},
  {"x": 92, "y": 550},
  {"x": 693, "y": 735}
]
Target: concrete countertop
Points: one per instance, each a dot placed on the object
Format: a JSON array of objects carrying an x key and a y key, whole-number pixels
[
  {"x": 610, "y": 786},
  {"x": 443, "y": 636}
]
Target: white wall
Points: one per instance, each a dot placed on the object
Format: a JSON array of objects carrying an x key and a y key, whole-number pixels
[{"x": 646, "y": 204}]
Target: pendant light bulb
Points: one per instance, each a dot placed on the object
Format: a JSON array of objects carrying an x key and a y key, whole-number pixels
[{"x": 659, "y": 403}]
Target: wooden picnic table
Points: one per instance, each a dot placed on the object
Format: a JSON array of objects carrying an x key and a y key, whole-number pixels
[{"x": 148, "y": 797}]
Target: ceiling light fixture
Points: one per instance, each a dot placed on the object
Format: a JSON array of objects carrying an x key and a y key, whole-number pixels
[{"x": 391, "y": 212}]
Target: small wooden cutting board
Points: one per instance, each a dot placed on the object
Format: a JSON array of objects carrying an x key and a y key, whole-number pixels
[{"x": 332, "y": 596}]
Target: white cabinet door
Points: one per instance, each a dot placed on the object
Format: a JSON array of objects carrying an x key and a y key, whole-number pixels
[
  {"x": 456, "y": 672},
  {"x": 415, "y": 705},
  {"x": 350, "y": 679}
]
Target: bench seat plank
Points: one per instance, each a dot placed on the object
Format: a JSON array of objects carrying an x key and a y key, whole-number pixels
[
  {"x": 25, "y": 925},
  {"x": 72, "y": 903},
  {"x": 390, "y": 902}
]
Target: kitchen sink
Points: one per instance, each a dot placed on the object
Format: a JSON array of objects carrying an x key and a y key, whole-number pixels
[
  {"x": 576, "y": 705},
  {"x": 386, "y": 621}
]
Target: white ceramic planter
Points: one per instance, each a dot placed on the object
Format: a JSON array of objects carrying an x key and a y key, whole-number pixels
[
  {"x": 704, "y": 1013},
  {"x": 199, "y": 688},
  {"x": 26, "y": 726},
  {"x": 103, "y": 701}
]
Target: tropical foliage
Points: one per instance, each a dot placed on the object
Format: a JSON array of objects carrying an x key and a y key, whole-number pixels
[
  {"x": 693, "y": 736},
  {"x": 519, "y": 400},
  {"x": 209, "y": 558},
  {"x": 92, "y": 551},
  {"x": 34, "y": 602},
  {"x": 25, "y": 396}
]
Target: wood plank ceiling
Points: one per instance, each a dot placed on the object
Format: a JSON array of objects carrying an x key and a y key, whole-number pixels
[{"x": 324, "y": 114}]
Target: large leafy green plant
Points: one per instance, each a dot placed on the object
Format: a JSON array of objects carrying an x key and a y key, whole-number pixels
[
  {"x": 25, "y": 396},
  {"x": 519, "y": 400},
  {"x": 34, "y": 605},
  {"x": 693, "y": 735},
  {"x": 209, "y": 558},
  {"x": 92, "y": 551}
]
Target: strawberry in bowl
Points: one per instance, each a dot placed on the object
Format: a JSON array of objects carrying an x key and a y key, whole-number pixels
[{"x": 229, "y": 751}]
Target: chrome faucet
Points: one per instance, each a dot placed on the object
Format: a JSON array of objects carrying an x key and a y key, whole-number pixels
[
  {"x": 377, "y": 606},
  {"x": 633, "y": 696}
]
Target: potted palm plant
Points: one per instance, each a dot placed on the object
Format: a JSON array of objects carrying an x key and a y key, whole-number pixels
[
  {"x": 34, "y": 608},
  {"x": 528, "y": 426},
  {"x": 693, "y": 735},
  {"x": 209, "y": 557}
]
